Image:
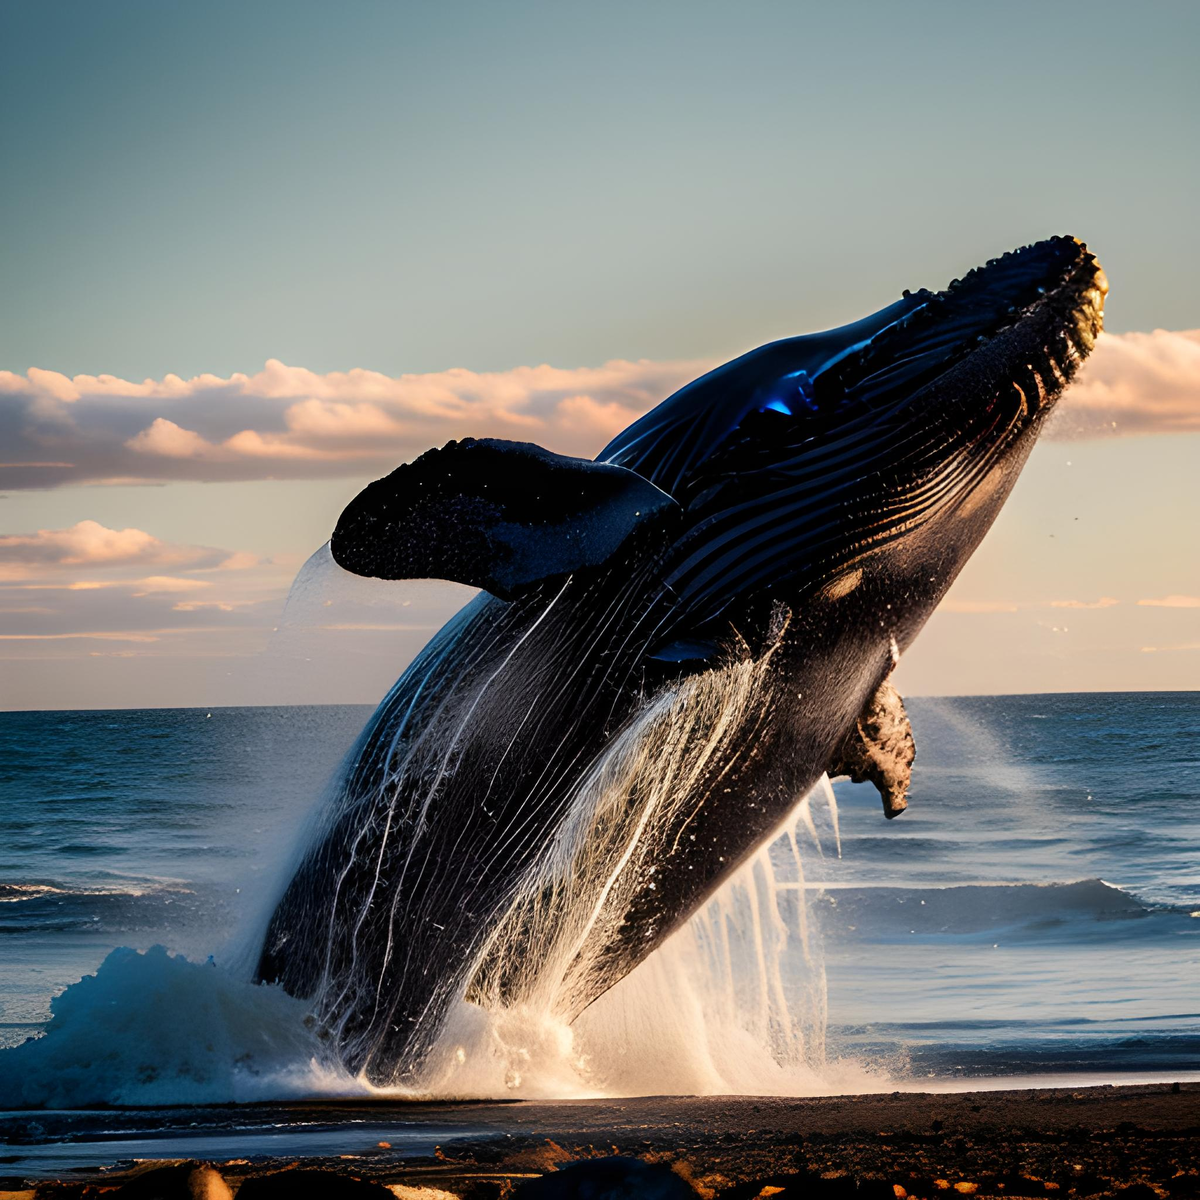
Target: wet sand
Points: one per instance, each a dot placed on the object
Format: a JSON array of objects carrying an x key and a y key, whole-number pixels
[{"x": 1138, "y": 1142}]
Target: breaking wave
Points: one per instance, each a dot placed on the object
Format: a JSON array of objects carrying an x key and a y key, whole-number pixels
[
  {"x": 734, "y": 1002},
  {"x": 113, "y": 907},
  {"x": 153, "y": 1028},
  {"x": 1015, "y": 912}
]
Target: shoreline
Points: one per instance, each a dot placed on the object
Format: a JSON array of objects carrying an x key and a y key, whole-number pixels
[{"x": 1031, "y": 1141}]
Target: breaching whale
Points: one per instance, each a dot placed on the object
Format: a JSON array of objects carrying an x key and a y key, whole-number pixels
[{"x": 671, "y": 645}]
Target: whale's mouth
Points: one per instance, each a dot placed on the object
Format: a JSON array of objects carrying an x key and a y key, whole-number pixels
[
  {"x": 924, "y": 390},
  {"x": 1031, "y": 315}
]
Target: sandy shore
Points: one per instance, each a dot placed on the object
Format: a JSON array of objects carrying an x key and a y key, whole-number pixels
[{"x": 1137, "y": 1142}]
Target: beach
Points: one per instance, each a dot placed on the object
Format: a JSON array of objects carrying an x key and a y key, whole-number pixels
[{"x": 1140, "y": 1142}]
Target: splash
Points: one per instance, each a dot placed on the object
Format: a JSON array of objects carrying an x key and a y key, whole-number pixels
[
  {"x": 574, "y": 865},
  {"x": 153, "y": 1028},
  {"x": 734, "y": 1002},
  {"x": 629, "y": 812}
]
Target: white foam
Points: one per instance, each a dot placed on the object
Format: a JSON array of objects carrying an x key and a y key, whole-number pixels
[
  {"x": 733, "y": 1003},
  {"x": 152, "y": 1028}
]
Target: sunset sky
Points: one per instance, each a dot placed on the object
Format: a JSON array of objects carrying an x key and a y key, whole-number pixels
[{"x": 257, "y": 254}]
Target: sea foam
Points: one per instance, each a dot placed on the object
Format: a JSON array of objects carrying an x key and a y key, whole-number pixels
[{"x": 153, "y": 1028}]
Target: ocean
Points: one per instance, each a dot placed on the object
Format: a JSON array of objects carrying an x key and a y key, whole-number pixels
[{"x": 1034, "y": 915}]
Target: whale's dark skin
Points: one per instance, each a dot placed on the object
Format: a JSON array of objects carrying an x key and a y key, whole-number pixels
[{"x": 673, "y": 644}]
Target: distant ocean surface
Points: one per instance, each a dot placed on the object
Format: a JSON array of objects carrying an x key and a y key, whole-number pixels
[{"x": 1035, "y": 912}]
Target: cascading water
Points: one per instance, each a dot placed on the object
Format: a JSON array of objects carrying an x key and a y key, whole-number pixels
[{"x": 733, "y": 1002}]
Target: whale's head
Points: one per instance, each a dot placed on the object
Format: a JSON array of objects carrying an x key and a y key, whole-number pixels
[{"x": 882, "y": 448}]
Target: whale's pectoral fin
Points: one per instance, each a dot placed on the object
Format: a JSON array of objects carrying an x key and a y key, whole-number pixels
[
  {"x": 503, "y": 516},
  {"x": 879, "y": 749}
]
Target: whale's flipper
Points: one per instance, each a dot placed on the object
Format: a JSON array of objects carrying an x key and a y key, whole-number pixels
[
  {"x": 879, "y": 749},
  {"x": 497, "y": 515}
]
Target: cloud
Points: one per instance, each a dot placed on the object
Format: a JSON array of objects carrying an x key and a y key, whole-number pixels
[
  {"x": 167, "y": 440},
  {"x": 85, "y": 543},
  {"x": 98, "y": 635},
  {"x": 954, "y": 605},
  {"x": 291, "y": 423},
  {"x": 1135, "y": 383},
  {"x": 157, "y": 584},
  {"x": 1172, "y": 602},
  {"x": 225, "y": 606},
  {"x": 153, "y": 605},
  {"x": 1103, "y": 602},
  {"x": 288, "y": 422},
  {"x": 342, "y": 623},
  {"x": 90, "y": 581},
  {"x": 88, "y": 546}
]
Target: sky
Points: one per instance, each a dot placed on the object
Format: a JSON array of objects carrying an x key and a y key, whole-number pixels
[{"x": 257, "y": 254}]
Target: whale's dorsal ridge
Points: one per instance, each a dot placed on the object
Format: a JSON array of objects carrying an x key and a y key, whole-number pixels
[{"x": 498, "y": 515}]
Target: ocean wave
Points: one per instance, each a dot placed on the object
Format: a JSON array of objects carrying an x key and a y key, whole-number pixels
[
  {"x": 1006, "y": 1050},
  {"x": 152, "y": 1029},
  {"x": 1018, "y": 911},
  {"x": 12, "y": 893},
  {"x": 115, "y": 905}
]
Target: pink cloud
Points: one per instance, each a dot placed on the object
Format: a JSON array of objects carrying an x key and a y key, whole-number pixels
[
  {"x": 157, "y": 584},
  {"x": 92, "y": 582},
  {"x": 977, "y": 606},
  {"x": 1103, "y": 602},
  {"x": 167, "y": 440},
  {"x": 1135, "y": 383},
  {"x": 287, "y": 422},
  {"x": 291, "y": 423},
  {"x": 88, "y": 546},
  {"x": 100, "y": 635},
  {"x": 954, "y": 605},
  {"x": 225, "y": 606}
]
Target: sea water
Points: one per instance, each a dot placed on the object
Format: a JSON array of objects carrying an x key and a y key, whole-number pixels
[{"x": 1035, "y": 912}]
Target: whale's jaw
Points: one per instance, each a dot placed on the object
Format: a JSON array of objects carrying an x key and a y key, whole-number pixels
[{"x": 810, "y": 458}]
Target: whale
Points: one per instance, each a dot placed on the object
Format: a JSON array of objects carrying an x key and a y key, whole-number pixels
[{"x": 670, "y": 645}]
